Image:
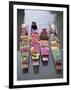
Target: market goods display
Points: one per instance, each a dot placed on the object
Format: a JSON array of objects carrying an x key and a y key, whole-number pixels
[
  {"x": 56, "y": 51},
  {"x": 44, "y": 45},
  {"x": 24, "y": 48},
  {"x": 35, "y": 49},
  {"x": 37, "y": 46}
]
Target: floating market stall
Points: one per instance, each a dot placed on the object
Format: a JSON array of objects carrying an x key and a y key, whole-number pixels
[
  {"x": 56, "y": 52},
  {"x": 24, "y": 48},
  {"x": 35, "y": 49},
  {"x": 44, "y": 45}
]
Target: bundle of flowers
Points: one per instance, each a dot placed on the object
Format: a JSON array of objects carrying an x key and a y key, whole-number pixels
[
  {"x": 24, "y": 49},
  {"x": 24, "y": 58},
  {"x": 35, "y": 50},
  {"x": 44, "y": 51},
  {"x": 55, "y": 44},
  {"x": 35, "y": 53},
  {"x": 35, "y": 56},
  {"x": 34, "y": 40},
  {"x": 56, "y": 52}
]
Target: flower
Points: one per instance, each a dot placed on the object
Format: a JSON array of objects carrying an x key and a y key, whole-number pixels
[{"x": 44, "y": 51}]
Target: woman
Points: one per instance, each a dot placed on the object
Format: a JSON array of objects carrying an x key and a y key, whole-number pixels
[
  {"x": 24, "y": 29},
  {"x": 53, "y": 29},
  {"x": 33, "y": 27},
  {"x": 44, "y": 34}
]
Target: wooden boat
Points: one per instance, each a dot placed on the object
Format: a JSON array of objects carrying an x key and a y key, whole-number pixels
[
  {"x": 24, "y": 50},
  {"x": 56, "y": 53},
  {"x": 44, "y": 46},
  {"x": 35, "y": 49}
]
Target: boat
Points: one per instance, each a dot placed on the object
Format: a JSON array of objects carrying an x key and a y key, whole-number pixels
[
  {"x": 24, "y": 48},
  {"x": 35, "y": 49},
  {"x": 44, "y": 46},
  {"x": 56, "y": 53}
]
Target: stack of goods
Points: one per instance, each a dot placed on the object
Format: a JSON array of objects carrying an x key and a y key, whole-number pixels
[
  {"x": 56, "y": 52},
  {"x": 35, "y": 49},
  {"x": 24, "y": 50},
  {"x": 44, "y": 46}
]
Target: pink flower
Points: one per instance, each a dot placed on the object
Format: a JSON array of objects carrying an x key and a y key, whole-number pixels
[
  {"x": 24, "y": 50},
  {"x": 44, "y": 51}
]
